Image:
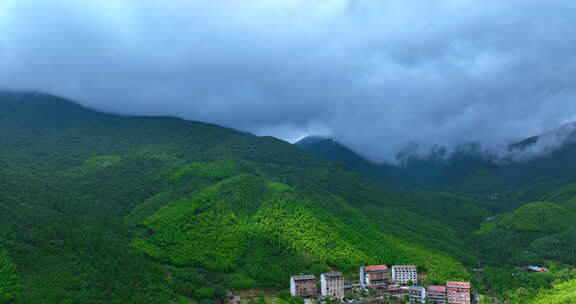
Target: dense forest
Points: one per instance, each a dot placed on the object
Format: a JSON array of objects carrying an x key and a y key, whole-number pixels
[{"x": 100, "y": 208}]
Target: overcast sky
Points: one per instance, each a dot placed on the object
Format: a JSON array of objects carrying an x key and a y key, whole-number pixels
[{"x": 374, "y": 74}]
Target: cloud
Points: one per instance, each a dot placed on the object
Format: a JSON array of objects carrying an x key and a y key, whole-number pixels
[{"x": 375, "y": 75}]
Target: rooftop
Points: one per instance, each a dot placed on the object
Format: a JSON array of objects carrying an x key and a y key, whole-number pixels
[
  {"x": 458, "y": 284},
  {"x": 375, "y": 268},
  {"x": 403, "y": 266},
  {"x": 332, "y": 274},
  {"x": 304, "y": 277},
  {"x": 436, "y": 288}
]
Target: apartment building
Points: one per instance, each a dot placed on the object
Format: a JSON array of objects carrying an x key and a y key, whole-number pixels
[
  {"x": 402, "y": 274},
  {"x": 436, "y": 294},
  {"x": 375, "y": 277},
  {"x": 458, "y": 292},
  {"x": 417, "y": 295},
  {"x": 332, "y": 285},
  {"x": 303, "y": 286}
]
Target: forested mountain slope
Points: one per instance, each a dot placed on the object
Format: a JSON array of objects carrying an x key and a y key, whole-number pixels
[
  {"x": 468, "y": 169},
  {"x": 534, "y": 233},
  {"x": 104, "y": 208}
]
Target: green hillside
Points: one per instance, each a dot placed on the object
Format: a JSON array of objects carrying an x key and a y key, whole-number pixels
[
  {"x": 533, "y": 233},
  {"x": 540, "y": 216},
  {"x": 247, "y": 209},
  {"x": 563, "y": 293},
  {"x": 565, "y": 196},
  {"x": 104, "y": 208}
]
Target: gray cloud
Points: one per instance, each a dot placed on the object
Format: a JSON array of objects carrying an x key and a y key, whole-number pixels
[{"x": 375, "y": 75}]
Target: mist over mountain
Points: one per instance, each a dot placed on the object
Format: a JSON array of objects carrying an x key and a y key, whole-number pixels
[
  {"x": 194, "y": 151},
  {"x": 549, "y": 155},
  {"x": 375, "y": 75}
]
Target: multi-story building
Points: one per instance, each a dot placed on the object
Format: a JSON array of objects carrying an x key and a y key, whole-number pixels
[
  {"x": 375, "y": 277},
  {"x": 395, "y": 290},
  {"x": 417, "y": 295},
  {"x": 303, "y": 286},
  {"x": 436, "y": 294},
  {"x": 332, "y": 285},
  {"x": 402, "y": 274},
  {"x": 458, "y": 292}
]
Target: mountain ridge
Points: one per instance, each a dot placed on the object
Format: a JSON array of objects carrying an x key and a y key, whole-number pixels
[{"x": 460, "y": 170}]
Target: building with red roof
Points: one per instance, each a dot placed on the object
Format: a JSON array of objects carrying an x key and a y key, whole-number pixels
[
  {"x": 375, "y": 277},
  {"x": 436, "y": 294}
]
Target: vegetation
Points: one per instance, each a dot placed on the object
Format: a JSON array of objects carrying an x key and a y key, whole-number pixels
[
  {"x": 564, "y": 196},
  {"x": 9, "y": 285},
  {"x": 562, "y": 293},
  {"x": 540, "y": 216},
  {"x": 559, "y": 247},
  {"x": 215, "y": 228},
  {"x": 533, "y": 234},
  {"x": 101, "y": 208}
]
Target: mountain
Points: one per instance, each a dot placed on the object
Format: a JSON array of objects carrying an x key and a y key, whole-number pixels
[
  {"x": 96, "y": 207},
  {"x": 436, "y": 171},
  {"x": 529, "y": 169}
]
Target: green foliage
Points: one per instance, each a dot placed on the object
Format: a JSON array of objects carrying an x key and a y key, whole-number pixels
[
  {"x": 540, "y": 216},
  {"x": 210, "y": 230},
  {"x": 487, "y": 228},
  {"x": 511, "y": 283},
  {"x": 564, "y": 196},
  {"x": 534, "y": 233},
  {"x": 98, "y": 208},
  {"x": 206, "y": 172},
  {"x": 9, "y": 284},
  {"x": 559, "y": 247},
  {"x": 563, "y": 293}
]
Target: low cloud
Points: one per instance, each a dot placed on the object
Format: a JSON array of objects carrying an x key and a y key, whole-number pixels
[{"x": 375, "y": 75}]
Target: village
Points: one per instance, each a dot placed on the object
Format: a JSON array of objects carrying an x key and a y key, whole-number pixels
[{"x": 376, "y": 283}]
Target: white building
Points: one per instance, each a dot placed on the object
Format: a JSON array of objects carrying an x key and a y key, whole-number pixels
[
  {"x": 417, "y": 295},
  {"x": 332, "y": 285},
  {"x": 403, "y": 274}
]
